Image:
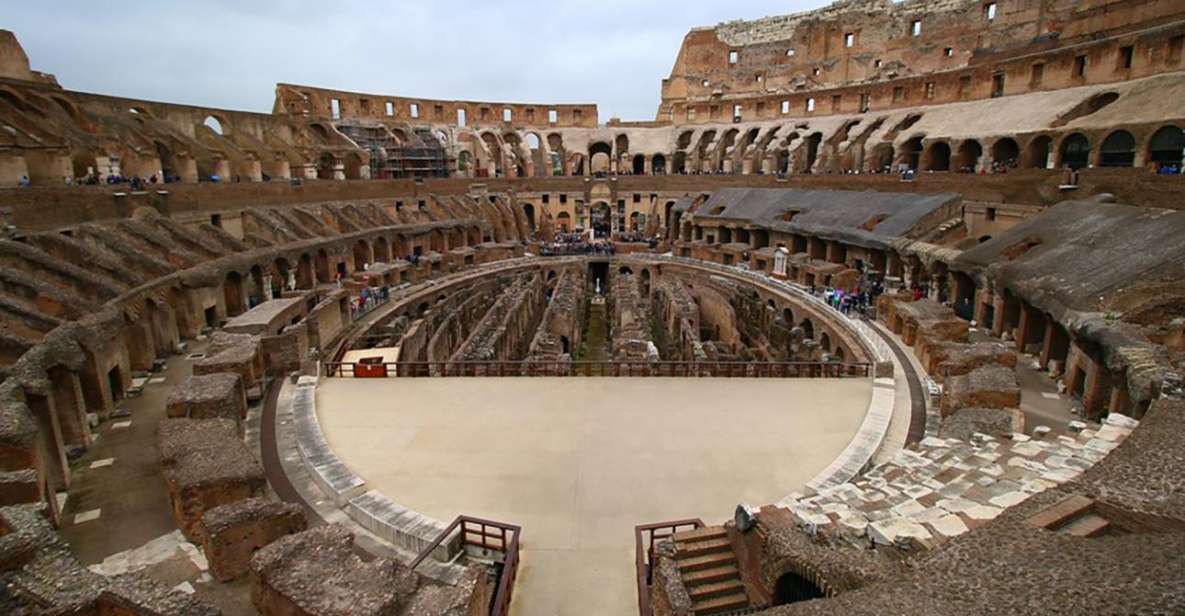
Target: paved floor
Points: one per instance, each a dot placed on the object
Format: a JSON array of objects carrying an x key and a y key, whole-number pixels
[
  {"x": 1040, "y": 400},
  {"x": 578, "y": 462},
  {"x": 128, "y": 492}
]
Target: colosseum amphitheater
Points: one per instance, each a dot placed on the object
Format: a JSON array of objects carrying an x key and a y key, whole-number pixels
[{"x": 883, "y": 312}]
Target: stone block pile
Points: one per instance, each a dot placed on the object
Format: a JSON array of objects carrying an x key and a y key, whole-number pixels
[{"x": 947, "y": 486}]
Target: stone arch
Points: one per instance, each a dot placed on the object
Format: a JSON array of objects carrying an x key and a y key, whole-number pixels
[
  {"x": 911, "y": 153},
  {"x": 321, "y": 267},
  {"x": 1118, "y": 150},
  {"x": 810, "y": 151},
  {"x": 1074, "y": 151},
  {"x": 600, "y": 155},
  {"x": 881, "y": 158},
  {"x": 361, "y": 255},
  {"x": 808, "y": 329},
  {"x": 217, "y": 125},
  {"x": 529, "y": 212},
  {"x": 1005, "y": 152},
  {"x": 1039, "y": 151},
  {"x": 305, "y": 278},
  {"x": 969, "y": 155},
  {"x": 679, "y": 163},
  {"x": 382, "y": 250},
  {"x": 639, "y": 164},
  {"x": 936, "y": 157},
  {"x": 793, "y": 587},
  {"x": 1167, "y": 146}
]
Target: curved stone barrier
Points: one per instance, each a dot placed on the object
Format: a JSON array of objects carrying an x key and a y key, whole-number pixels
[
  {"x": 334, "y": 478},
  {"x": 371, "y": 509},
  {"x": 857, "y": 456}
]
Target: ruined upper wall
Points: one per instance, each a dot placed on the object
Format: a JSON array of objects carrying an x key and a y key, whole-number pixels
[
  {"x": 319, "y": 103},
  {"x": 14, "y": 63},
  {"x": 850, "y": 56}
]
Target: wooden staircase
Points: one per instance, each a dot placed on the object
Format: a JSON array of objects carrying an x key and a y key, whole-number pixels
[{"x": 708, "y": 567}]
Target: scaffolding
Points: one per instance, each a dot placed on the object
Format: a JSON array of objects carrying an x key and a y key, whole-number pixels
[{"x": 422, "y": 156}]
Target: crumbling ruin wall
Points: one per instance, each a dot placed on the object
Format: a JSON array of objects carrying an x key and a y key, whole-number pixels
[
  {"x": 206, "y": 464},
  {"x": 506, "y": 329},
  {"x": 318, "y": 573},
  {"x": 232, "y": 533},
  {"x": 461, "y": 314},
  {"x": 563, "y": 319},
  {"x": 209, "y": 396},
  {"x": 677, "y": 316},
  {"x": 631, "y": 321}
]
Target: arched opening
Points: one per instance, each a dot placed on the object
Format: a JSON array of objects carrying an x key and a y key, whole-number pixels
[
  {"x": 679, "y": 163},
  {"x": 599, "y": 156},
  {"x": 808, "y": 329},
  {"x": 937, "y": 157},
  {"x": 564, "y": 222},
  {"x": 382, "y": 250},
  {"x": 464, "y": 162},
  {"x": 639, "y": 164},
  {"x": 361, "y": 256},
  {"x": 645, "y": 278},
  {"x": 1166, "y": 148},
  {"x": 1075, "y": 151},
  {"x": 881, "y": 160},
  {"x": 810, "y": 151},
  {"x": 825, "y": 342},
  {"x": 1118, "y": 150},
  {"x": 529, "y": 212},
  {"x": 232, "y": 293},
  {"x": 326, "y": 166},
  {"x": 658, "y": 165},
  {"x": 305, "y": 278},
  {"x": 601, "y": 219},
  {"x": 1005, "y": 153},
  {"x": 1038, "y": 152},
  {"x": 792, "y": 588},
  {"x": 280, "y": 280},
  {"x": 969, "y": 153},
  {"x": 321, "y": 267},
  {"x": 911, "y": 153},
  {"x": 213, "y": 124},
  {"x": 788, "y": 317}
]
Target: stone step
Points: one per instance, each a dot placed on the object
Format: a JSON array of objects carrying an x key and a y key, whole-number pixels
[
  {"x": 716, "y": 605},
  {"x": 703, "y": 592},
  {"x": 699, "y": 548},
  {"x": 1089, "y": 525},
  {"x": 1065, "y": 510},
  {"x": 699, "y": 534},
  {"x": 710, "y": 576},
  {"x": 707, "y": 561}
]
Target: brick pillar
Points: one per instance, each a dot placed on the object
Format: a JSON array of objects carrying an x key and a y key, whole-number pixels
[
  {"x": 1096, "y": 394},
  {"x": 999, "y": 320}
]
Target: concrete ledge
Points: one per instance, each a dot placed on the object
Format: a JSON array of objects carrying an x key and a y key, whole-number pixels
[
  {"x": 401, "y": 526},
  {"x": 857, "y": 456},
  {"x": 336, "y": 480}
]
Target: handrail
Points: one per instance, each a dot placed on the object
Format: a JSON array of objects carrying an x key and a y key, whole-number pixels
[
  {"x": 507, "y": 536},
  {"x": 643, "y": 558},
  {"x": 638, "y": 368}
]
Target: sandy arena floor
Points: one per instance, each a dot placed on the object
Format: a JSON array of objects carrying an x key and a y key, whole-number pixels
[{"x": 578, "y": 462}]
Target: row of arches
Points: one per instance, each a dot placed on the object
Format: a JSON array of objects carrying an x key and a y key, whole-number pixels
[{"x": 1119, "y": 148}]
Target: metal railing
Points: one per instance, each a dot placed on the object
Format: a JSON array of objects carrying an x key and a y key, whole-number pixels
[
  {"x": 646, "y": 535},
  {"x": 640, "y": 368},
  {"x": 487, "y": 535}
]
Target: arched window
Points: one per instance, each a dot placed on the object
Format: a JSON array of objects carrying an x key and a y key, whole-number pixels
[
  {"x": 1075, "y": 151},
  {"x": 1118, "y": 150},
  {"x": 1167, "y": 146},
  {"x": 213, "y": 124}
]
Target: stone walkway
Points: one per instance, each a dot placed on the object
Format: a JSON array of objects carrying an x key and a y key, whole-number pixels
[
  {"x": 117, "y": 516},
  {"x": 945, "y": 487}
]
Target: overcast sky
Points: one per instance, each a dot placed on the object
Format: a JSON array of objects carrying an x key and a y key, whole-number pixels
[{"x": 231, "y": 53}]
